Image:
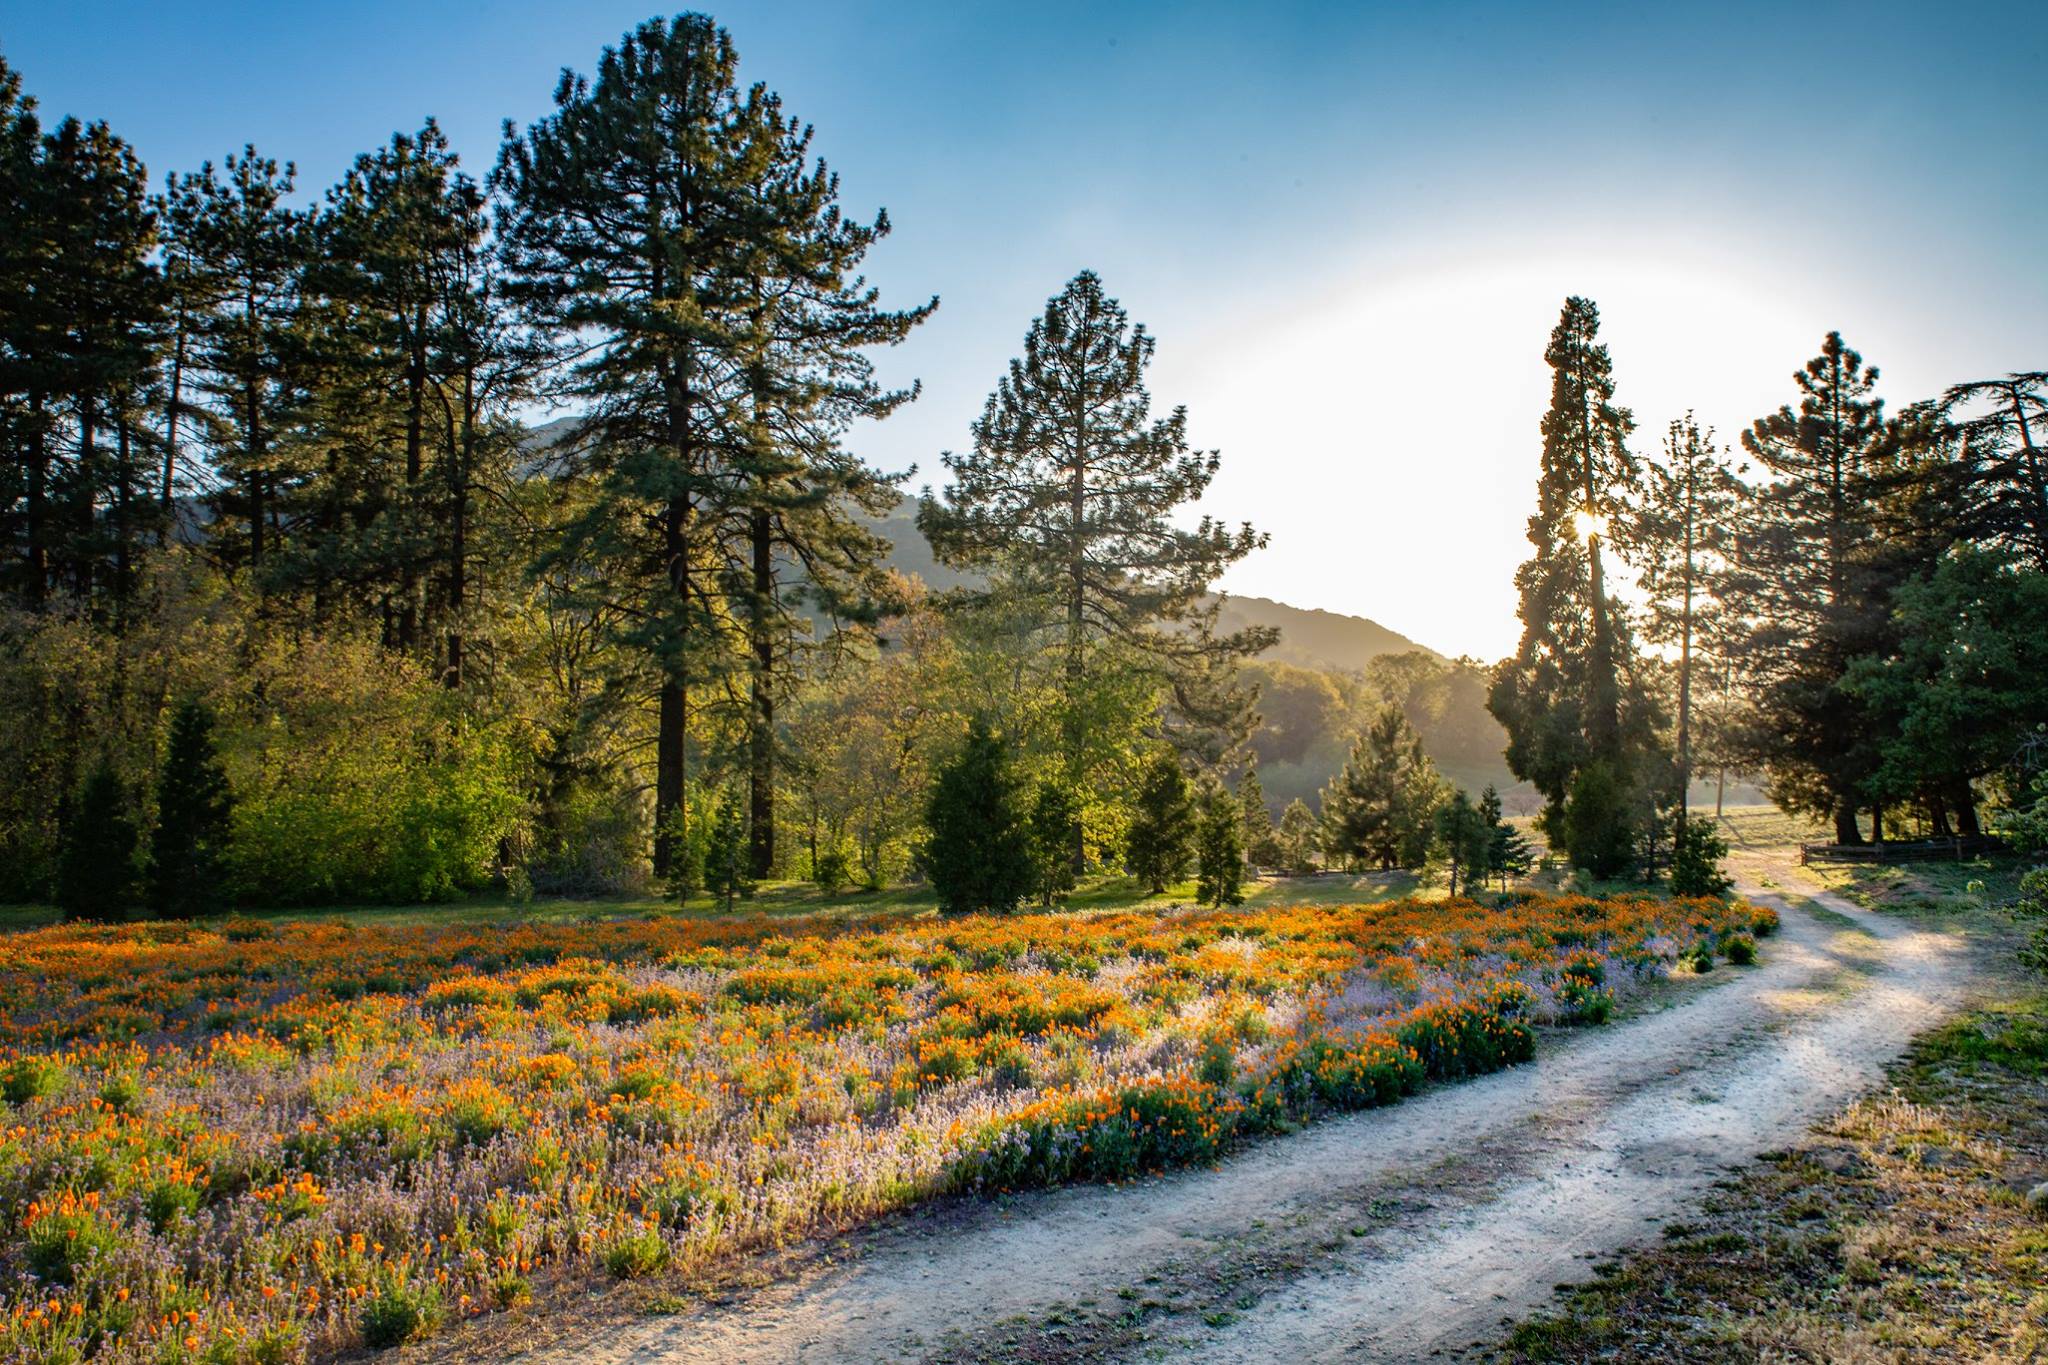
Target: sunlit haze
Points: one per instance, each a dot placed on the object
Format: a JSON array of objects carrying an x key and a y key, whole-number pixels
[{"x": 1350, "y": 230}]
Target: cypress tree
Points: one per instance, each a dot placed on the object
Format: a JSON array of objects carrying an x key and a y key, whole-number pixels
[
  {"x": 977, "y": 852},
  {"x": 1162, "y": 833},
  {"x": 194, "y": 809},
  {"x": 1068, "y": 496},
  {"x": 1568, "y": 698},
  {"x": 96, "y": 866}
]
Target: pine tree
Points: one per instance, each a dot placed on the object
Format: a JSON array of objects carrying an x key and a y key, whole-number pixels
[
  {"x": 631, "y": 222},
  {"x": 1804, "y": 582},
  {"x": 1461, "y": 843},
  {"x": 1378, "y": 811},
  {"x": 1261, "y": 843},
  {"x": 96, "y": 867},
  {"x": 1569, "y": 697},
  {"x": 1162, "y": 833},
  {"x": 1696, "y": 860},
  {"x": 193, "y": 829},
  {"x": 805, "y": 501},
  {"x": 1055, "y": 811},
  {"x": 1068, "y": 497},
  {"x": 244, "y": 254},
  {"x": 1684, "y": 527},
  {"x": 977, "y": 851},
  {"x": 2003, "y": 424},
  {"x": 1219, "y": 848}
]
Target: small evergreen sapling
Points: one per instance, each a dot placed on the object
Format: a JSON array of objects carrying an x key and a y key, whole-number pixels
[
  {"x": 1219, "y": 849},
  {"x": 1163, "y": 828},
  {"x": 978, "y": 853},
  {"x": 1261, "y": 841},
  {"x": 726, "y": 863},
  {"x": 194, "y": 808},
  {"x": 1508, "y": 854},
  {"x": 1300, "y": 832},
  {"x": 1696, "y": 861},
  {"x": 1055, "y": 818},
  {"x": 1461, "y": 843},
  {"x": 96, "y": 868}
]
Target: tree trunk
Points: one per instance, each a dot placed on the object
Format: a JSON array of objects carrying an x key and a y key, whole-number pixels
[
  {"x": 462, "y": 460},
  {"x": 1964, "y": 799},
  {"x": 38, "y": 504},
  {"x": 761, "y": 732},
  {"x": 1846, "y": 830},
  {"x": 172, "y": 403}
]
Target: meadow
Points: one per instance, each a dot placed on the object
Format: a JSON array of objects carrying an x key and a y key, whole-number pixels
[{"x": 266, "y": 1140}]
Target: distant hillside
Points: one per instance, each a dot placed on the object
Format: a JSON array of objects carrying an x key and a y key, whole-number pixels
[{"x": 1317, "y": 639}]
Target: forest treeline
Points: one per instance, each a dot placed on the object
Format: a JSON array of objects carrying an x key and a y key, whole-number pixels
[
  {"x": 299, "y": 608},
  {"x": 1853, "y": 604}
]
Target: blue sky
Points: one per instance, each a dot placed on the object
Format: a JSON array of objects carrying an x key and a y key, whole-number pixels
[{"x": 1350, "y": 226}]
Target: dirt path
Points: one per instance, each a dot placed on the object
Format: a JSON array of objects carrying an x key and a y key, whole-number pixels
[{"x": 1389, "y": 1235}]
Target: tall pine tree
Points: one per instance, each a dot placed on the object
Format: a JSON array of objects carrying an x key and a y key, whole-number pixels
[
  {"x": 1068, "y": 497},
  {"x": 1805, "y": 581}
]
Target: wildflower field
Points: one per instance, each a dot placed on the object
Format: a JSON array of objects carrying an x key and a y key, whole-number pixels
[{"x": 268, "y": 1140}]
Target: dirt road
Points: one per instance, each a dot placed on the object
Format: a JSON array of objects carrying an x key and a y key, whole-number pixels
[{"x": 1397, "y": 1234}]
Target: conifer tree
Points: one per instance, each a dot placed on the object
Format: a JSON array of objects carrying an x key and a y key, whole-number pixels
[
  {"x": 1055, "y": 810},
  {"x": 2003, "y": 424},
  {"x": 1299, "y": 834},
  {"x": 1219, "y": 848},
  {"x": 1261, "y": 847},
  {"x": 96, "y": 867},
  {"x": 1568, "y": 698},
  {"x": 1461, "y": 842},
  {"x": 1508, "y": 854},
  {"x": 725, "y": 853},
  {"x": 977, "y": 851},
  {"x": 1162, "y": 833},
  {"x": 799, "y": 513},
  {"x": 1806, "y": 584},
  {"x": 1378, "y": 811},
  {"x": 244, "y": 253},
  {"x": 1067, "y": 497},
  {"x": 194, "y": 808},
  {"x": 1684, "y": 529}
]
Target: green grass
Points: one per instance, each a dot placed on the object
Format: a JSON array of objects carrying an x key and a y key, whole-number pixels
[{"x": 790, "y": 898}]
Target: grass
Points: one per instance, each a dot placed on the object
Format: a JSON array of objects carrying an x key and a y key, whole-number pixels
[{"x": 794, "y": 899}]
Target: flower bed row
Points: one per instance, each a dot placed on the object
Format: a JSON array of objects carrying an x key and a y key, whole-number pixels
[{"x": 266, "y": 1141}]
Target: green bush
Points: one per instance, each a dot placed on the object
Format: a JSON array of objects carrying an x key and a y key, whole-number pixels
[
  {"x": 373, "y": 821},
  {"x": 400, "y": 1312},
  {"x": 1741, "y": 949},
  {"x": 31, "y": 1077},
  {"x": 636, "y": 1255}
]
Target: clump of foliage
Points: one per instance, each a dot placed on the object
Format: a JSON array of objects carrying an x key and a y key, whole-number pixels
[
  {"x": 1696, "y": 861},
  {"x": 1052, "y": 831}
]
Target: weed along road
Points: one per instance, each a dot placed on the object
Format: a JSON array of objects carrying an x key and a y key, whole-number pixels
[{"x": 1403, "y": 1233}]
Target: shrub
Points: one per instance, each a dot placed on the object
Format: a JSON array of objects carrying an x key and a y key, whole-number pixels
[
  {"x": 1741, "y": 949},
  {"x": 400, "y": 1312},
  {"x": 1696, "y": 861},
  {"x": 193, "y": 828},
  {"x": 96, "y": 871},
  {"x": 31, "y": 1077},
  {"x": 635, "y": 1255}
]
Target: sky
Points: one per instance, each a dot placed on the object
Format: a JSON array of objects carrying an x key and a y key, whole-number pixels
[{"x": 1349, "y": 226}]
